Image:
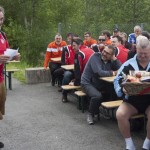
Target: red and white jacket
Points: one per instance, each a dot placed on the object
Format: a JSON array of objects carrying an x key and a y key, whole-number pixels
[
  {"x": 68, "y": 54},
  {"x": 3, "y": 46},
  {"x": 122, "y": 53},
  {"x": 53, "y": 51}
]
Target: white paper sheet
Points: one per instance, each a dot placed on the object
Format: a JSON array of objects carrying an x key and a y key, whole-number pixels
[{"x": 11, "y": 53}]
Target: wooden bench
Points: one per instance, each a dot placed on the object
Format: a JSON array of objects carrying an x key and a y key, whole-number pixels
[
  {"x": 70, "y": 87},
  {"x": 111, "y": 105},
  {"x": 9, "y": 76},
  {"x": 81, "y": 95}
]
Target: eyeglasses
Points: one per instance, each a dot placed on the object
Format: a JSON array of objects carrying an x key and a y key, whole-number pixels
[
  {"x": 101, "y": 40},
  {"x": 104, "y": 51}
]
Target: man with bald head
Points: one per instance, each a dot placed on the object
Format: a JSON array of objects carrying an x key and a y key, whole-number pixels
[{"x": 133, "y": 105}]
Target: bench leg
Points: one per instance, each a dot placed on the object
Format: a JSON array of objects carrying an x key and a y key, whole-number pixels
[
  {"x": 82, "y": 104},
  {"x": 79, "y": 103},
  {"x": 9, "y": 81}
]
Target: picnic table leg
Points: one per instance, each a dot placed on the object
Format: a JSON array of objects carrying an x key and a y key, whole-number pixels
[
  {"x": 9, "y": 80},
  {"x": 5, "y": 76}
]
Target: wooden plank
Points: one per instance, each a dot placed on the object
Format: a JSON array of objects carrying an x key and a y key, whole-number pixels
[
  {"x": 80, "y": 93},
  {"x": 13, "y": 61},
  {"x": 70, "y": 87},
  {"x": 68, "y": 67},
  {"x": 57, "y": 59},
  {"x": 112, "y": 104},
  {"x": 12, "y": 70},
  {"x": 108, "y": 79}
]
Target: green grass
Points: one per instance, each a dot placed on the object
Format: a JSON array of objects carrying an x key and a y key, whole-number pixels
[{"x": 20, "y": 75}]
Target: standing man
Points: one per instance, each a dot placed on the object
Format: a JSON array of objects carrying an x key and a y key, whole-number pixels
[
  {"x": 54, "y": 50},
  {"x": 3, "y": 59},
  {"x": 103, "y": 64},
  {"x": 135, "y": 104}
]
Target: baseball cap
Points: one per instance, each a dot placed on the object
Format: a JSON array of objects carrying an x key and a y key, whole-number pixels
[{"x": 116, "y": 30}]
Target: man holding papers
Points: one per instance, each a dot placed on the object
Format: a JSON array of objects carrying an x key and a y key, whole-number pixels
[{"x": 3, "y": 59}]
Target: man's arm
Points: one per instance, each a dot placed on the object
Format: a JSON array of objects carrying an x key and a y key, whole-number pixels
[
  {"x": 64, "y": 56},
  {"x": 96, "y": 65},
  {"x": 77, "y": 69},
  {"x": 3, "y": 59}
]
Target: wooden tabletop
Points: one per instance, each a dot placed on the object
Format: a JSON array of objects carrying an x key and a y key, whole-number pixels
[
  {"x": 108, "y": 79},
  {"x": 57, "y": 59},
  {"x": 70, "y": 87},
  {"x": 13, "y": 61},
  {"x": 68, "y": 67}
]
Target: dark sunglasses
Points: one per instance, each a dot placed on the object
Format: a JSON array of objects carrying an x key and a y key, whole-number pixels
[{"x": 101, "y": 39}]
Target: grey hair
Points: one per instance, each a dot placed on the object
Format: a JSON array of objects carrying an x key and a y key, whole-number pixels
[
  {"x": 58, "y": 34},
  {"x": 137, "y": 27},
  {"x": 142, "y": 42},
  {"x": 2, "y": 10}
]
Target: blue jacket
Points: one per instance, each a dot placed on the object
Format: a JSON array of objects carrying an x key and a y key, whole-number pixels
[{"x": 119, "y": 76}]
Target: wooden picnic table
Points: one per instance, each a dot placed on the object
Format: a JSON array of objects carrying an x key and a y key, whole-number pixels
[
  {"x": 68, "y": 67},
  {"x": 57, "y": 59},
  {"x": 108, "y": 79},
  {"x": 9, "y": 75}
]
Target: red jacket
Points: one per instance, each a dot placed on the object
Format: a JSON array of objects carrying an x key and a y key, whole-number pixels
[
  {"x": 80, "y": 61},
  {"x": 68, "y": 54},
  {"x": 3, "y": 46},
  {"x": 122, "y": 53},
  {"x": 90, "y": 43}
]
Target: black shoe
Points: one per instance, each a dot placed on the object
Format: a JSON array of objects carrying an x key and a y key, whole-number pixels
[
  {"x": 53, "y": 83},
  {"x": 90, "y": 119},
  {"x": 144, "y": 149},
  {"x": 64, "y": 99},
  {"x": 60, "y": 90},
  {"x": 1, "y": 145}
]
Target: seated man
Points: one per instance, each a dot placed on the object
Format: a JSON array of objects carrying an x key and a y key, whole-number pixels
[
  {"x": 101, "y": 44},
  {"x": 89, "y": 41},
  {"x": 132, "y": 37},
  {"x": 54, "y": 50},
  {"x": 121, "y": 52},
  {"x": 67, "y": 59},
  {"x": 116, "y": 32},
  {"x": 133, "y": 105},
  {"x": 103, "y": 64},
  {"x": 81, "y": 57},
  {"x": 107, "y": 36}
]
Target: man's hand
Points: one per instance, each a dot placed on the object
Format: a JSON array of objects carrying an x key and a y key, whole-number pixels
[
  {"x": 71, "y": 83},
  {"x": 124, "y": 91},
  {"x": 113, "y": 57},
  {"x": 4, "y": 58},
  {"x": 45, "y": 68},
  {"x": 115, "y": 73}
]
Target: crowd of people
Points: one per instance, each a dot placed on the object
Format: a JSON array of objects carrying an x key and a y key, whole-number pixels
[{"x": 110, "y": 55}]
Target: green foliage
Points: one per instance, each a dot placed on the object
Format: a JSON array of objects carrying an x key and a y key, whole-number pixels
[{"x": 32, "y": 24}]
